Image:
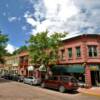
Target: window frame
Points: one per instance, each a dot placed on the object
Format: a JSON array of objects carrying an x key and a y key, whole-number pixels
[
  {"x": 70, "y": 57},
  {"x": 78, "y": 53},
  {"x": 92, "y": 51}
]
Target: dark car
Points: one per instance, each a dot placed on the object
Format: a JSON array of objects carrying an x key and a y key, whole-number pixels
[
  {"x": 61, "y": 83},
  {"x": 17, "y": 77},
  {"x": 7, "y": 76}
]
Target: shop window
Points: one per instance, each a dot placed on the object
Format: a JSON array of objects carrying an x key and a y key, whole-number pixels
[
  {"x": 78, "y": 52},
  {"x": 92, "y": 51},
  {"x": 70, "y": 52}
]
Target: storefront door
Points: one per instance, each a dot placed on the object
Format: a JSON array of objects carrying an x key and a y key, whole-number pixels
[{"x": 95, "y": 77}]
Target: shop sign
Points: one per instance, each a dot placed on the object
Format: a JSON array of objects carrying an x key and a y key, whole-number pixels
[{"x": 94, "y": 68}]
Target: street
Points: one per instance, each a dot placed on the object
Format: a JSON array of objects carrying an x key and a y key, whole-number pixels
[{"x": 10, "y": 90}]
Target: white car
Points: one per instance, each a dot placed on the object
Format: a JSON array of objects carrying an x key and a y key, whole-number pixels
[{"x": 31, "y": 80}]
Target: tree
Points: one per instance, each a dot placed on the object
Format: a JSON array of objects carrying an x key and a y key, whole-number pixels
[
  {"x": 43, "y": 48},
  {"x": 3, "y": 43}
]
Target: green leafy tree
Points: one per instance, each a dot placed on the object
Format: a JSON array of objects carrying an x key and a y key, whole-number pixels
[
  {"x": 3, "y": 43},
  {"x": 43, "y": 47}
]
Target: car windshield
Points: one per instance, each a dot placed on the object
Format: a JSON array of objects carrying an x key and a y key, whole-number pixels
[
  {"x": 73, "y": 80},
  {"x": 65, "y": 79},
  {"x": 31, "y": 77}
]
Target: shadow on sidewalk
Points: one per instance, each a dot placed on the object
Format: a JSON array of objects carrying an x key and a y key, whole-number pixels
[{"x": 72, "y": 92}]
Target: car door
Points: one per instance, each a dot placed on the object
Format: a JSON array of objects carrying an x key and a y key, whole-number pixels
[
  {"x": 26, "y": 80},
  {"x": 55, "y": 82},
  {"x": 30, "y": 80},
  {"x": 52, "y": 82}
]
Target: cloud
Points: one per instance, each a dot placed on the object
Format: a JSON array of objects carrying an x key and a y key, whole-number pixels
[
  {"x": 10, "y": 48},
  {"x": 73, "y": 16},
  {"x": 11, "y": 19}
]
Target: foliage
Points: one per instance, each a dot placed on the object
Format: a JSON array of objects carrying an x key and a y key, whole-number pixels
[
  {"x": 3, "y": 43},
  {"x": 43, "y": 47}
]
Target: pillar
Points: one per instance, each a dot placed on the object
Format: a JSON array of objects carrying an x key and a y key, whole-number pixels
[{"x": 88, "y": 77}]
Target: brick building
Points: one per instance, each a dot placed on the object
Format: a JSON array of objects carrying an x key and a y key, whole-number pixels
[
  {"x": 11, "y": 64},
  {"x": 23, "y": 63},
  {"x": 80, "y": 56}
]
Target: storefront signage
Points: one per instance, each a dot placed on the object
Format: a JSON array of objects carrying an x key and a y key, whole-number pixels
[{"x": 94, "y": 68}]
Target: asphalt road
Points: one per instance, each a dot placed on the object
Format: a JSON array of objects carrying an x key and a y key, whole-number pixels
[{"x": 10, "y": 90}]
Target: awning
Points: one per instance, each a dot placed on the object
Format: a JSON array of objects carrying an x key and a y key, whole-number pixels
[
  {"x": 42, "y": 68},
  {"x": 30, "y": 68},
  {"x": 68, "y": 69}
]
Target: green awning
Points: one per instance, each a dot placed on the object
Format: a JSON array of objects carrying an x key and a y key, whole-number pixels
[{"x": 68, "y": 69}]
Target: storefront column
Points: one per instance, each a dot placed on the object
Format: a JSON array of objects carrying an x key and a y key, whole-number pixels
[{"x": 88, "y": 77}]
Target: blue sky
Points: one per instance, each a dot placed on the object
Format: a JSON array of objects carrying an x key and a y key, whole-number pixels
[
  {"x": 12, "y": 21},
  {"x": 20, "y": 18}
]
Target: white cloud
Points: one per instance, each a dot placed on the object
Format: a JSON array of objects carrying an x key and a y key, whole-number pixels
[
  {"x": 71, "y": 16},
  {"x": 10, "y": 48},
  {"x": 11, "y": 19}
]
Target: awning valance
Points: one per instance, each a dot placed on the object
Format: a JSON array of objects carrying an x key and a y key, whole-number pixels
[
  {"x": 68, "y": 69},
  {"x": 42, "y": 68},
  {"x": 30, "y": 68}
]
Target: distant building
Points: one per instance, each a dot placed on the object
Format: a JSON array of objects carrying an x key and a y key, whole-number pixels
[
  {"x": 11, "y": 64},
  {"x": 23, "y": 63}
]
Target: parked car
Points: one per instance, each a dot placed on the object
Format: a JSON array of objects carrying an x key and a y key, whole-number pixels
[
  {"x": 17, "y": 77},
  {"x": 81, "y": 84},
  {"x": 20, "y": 78},
  {"x": 62, "y": 83},
  {"x": 31, "y": 80},
  {"x": 7, "y": 76}
]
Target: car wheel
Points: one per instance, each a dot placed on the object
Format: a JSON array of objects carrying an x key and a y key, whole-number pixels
[
  {"x": 43, "y": 85},
  {"x": 62, "y": 89}
]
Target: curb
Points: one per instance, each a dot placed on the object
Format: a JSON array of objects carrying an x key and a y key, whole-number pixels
[{"x": 92, "y": 94}]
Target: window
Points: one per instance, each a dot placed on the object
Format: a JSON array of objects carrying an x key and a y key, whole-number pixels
[
  {"x": 70, "y": 52},
  {"x": 92, "y": 51},
  {"x": 62, "y": 54},
  {"x": 78, "y": 52}
]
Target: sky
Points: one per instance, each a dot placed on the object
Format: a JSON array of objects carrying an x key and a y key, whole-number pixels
[{"x": 21, "y": 18}]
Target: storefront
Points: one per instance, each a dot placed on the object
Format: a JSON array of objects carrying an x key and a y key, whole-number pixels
[
  {"x": 95, "y": 74},
  {"x": 76, "y": 70}
]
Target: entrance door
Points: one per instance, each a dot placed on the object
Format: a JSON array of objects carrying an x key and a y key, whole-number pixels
[{"x": 95, "y": 77}]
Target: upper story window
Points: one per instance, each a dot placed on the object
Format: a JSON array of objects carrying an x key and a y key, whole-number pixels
[
  {"x": 70, "y": 52},
  {"x": 92, "y": 51},
  {"x": 62, "y": 54},
  {"x": 78, "y": 51}
]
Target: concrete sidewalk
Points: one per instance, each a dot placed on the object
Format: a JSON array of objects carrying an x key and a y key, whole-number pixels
[{"x": 92, "y": 91}]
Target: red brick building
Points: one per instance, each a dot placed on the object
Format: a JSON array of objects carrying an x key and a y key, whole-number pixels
[
  {"x": 23, "y": 63},
  {"x": 80, "y": 56}
]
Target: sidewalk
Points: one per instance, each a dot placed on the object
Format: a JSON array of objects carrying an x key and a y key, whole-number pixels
[{"x": 92, "y": 91}]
